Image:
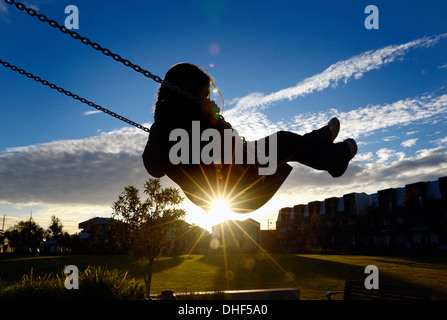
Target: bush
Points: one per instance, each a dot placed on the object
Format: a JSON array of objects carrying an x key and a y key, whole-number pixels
[
  {"x": 32, "y": 287},
  {"x": 2, "y": 286},
  {"x": 99, "y": 283},
  {"x": 95, "y": 283}
]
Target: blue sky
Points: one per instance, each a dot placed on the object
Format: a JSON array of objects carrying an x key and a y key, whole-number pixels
[{"x": 280, "y": 65}]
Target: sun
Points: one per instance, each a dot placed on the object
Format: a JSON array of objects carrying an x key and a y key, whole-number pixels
[
  {"x": 220, "y": 206},
  {"x": 220, "y": 211}
]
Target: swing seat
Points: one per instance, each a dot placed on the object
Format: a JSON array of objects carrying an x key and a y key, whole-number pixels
[{"x": 243, "y": 189}]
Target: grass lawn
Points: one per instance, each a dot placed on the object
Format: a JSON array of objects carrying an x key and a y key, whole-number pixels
[{"x": 313, "y": 274}]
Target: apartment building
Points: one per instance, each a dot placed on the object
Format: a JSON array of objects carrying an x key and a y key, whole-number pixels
[{"x": 413, "y": 217}]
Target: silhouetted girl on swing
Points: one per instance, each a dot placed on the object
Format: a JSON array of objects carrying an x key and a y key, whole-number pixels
[{"x": 241, "y": 185}]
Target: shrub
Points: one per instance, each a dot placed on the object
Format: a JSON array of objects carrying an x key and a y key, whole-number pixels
[
  {"x": 2, "y": 286},
  {"x": 100, "y": 283},
  {"x": 32, "y": 287},
  {"x": 95, "y": 283}
]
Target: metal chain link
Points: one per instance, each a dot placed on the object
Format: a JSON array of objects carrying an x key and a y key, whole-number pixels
[
  {"x": 98, "y": 47},
  {"x": 74, "y": 96}
]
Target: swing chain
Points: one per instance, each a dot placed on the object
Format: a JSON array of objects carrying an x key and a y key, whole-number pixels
[
  {"x": 72, "y": 95},
  {"x": 98, "y": 47}
]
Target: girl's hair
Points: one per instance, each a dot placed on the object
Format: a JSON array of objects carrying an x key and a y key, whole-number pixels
[{"x": 187, "y": 77}]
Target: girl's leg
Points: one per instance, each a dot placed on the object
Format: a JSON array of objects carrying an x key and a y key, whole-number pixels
[{"x": 314, "y": 149}]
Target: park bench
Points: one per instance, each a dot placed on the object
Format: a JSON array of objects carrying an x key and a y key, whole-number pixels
[
  {"x": 252, "y": 294},
  {"x": 355, "y": 290}
]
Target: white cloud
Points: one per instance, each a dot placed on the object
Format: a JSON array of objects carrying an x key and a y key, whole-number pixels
[
  {"x": 425, "y": 109},
  {"x": 409, "y": 143},
  {"x": 391, "y": 170},
  {"x": 89, "y": 171},
  {"x": 364, "y": 156},
  {"x": 357, "y": 123},
  {"x": 385, "y": 156}
]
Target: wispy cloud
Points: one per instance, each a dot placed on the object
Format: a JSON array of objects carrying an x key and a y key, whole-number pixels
[
  {"x": 340, "y": 72},
  {"x": 390, "y": 138},
  {"x": 88, "y": 113},
  {"x": 364, "y": 121},
  {"x": 3, "y": 7},
  {"x": 440, "y": 142},
  {"x": 247, "y": 113},
  {"x": 360, "y": 122},
  {"x": 4, "y": 12},
  {"x": 33, "y": 4}
]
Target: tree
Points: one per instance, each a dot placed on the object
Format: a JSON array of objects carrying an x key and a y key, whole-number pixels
[
  {"x": 55, "y": 232},
  {"x": 139, "y": 226},
  {"x": 25, "y": 236},
  {"x": 55, "y": 228}
]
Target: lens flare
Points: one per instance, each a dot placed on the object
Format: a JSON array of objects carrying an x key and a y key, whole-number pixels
[
  {"x": 214, "y": 49},
  {"x": 216, "y": 94},
  {"x": 214, "y": 244},
  {"x": 229, "y": 275}
]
